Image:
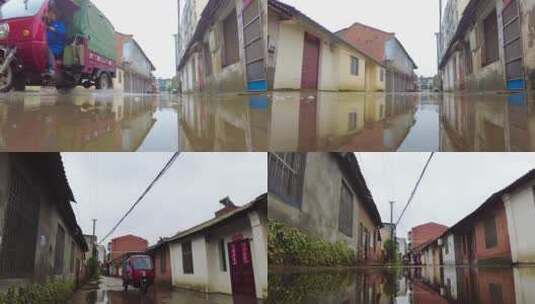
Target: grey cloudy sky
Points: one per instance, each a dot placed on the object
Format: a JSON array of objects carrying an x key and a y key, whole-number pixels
[
  {"x": 454, "y": 186},
  {"x": 153, "y": 24},
  {"x": 106, "y": 185},
  {"x": 415, "y": 22}
]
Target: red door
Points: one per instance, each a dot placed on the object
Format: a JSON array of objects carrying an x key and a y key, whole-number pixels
[
  {"x": 311, "y": 59},
  {"x": 241, "y": 269}
]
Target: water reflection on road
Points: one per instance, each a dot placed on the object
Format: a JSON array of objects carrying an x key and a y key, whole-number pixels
[
  {"x": 109, "y": 291},
  {"x": 403, "y": 285},
  {"x": 278, "y": 121}
]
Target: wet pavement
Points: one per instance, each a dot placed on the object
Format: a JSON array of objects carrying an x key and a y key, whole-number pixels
[
  {"x": 110, "y": 291},
  {"x": 278, "y": 121},
  {"x": 434, "y": 285}
]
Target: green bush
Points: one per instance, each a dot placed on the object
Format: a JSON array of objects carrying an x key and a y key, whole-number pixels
[
  {"x": 289, "y": 246},
  {"x": 52, "y": 292},
  {"x": 93, "y": 268}
]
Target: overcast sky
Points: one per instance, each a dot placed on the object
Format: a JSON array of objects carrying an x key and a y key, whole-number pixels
[
  {"x": 453, "y": 187},
  {"x": 153, "y": 24},
  {"x": 106, "y": 185},
  {"x": 415, "y": 22}
]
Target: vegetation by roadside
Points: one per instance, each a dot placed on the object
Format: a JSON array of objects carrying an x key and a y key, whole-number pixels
[
  {"x": 52, "y": 292},
  {"x": 289, "y": 246}
]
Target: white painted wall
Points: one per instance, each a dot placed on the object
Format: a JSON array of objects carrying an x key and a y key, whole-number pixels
[
  {"x": 199, "y": 279},
  {"x": 524, "y": 281},
  {"x": 520, "y": 209}
]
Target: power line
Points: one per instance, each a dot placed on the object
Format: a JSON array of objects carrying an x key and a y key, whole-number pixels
[
  {"x": 416, "y": 187},
  {"x": 162, "y": 173}
]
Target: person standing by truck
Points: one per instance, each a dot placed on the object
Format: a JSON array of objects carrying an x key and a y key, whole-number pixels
[{"x": 56, "y": 36}]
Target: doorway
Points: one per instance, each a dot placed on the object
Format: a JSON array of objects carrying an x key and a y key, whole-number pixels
[
  {"x": 311, "y": 59},
  {"x": 514, "y": 66},
  {"x": 241, "y": 269}
]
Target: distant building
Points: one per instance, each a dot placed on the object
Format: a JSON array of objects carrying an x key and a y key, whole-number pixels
[
  {"x": 422, "y": 234},
  {"x": 426, "y": 84},
  {"x": 325, "y": 196},
  {"x": 134, "y": 68},
  {"x": 402, "y": 246},
  {"x": 120, "y": 247},
  {"x": 40, "y": 238},
  {"x": 227, "y": 254},
  {"x": 486, "y": 46},
  {"x": 385, "y": 48},
  {"x": 101, "y": 254},
  {"x": 304, "y": 55},
  {"x": 223, "y": 47}
]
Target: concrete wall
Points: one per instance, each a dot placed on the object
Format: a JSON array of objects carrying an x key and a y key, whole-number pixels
[
  {"x": 520, "y": 209},
  {"x": 490, "y": 77},
  {"x": 230, "y": 78},
  {"x": 139, "y": 63},
  {"x": 319, "y": 213},
  {"x": 163, "y": 276},
  {"x": 524, "y": 280},
  {"x": 286, "y": 45},
  {"x": 209, "y": 275},
  {"x": 397, "y": 57},
  {"x": 4, "y": 188},
  {"x": 199, "y": 279},
  {"x": 528, "y": 33},
  {"x": 449, "y": 256}
]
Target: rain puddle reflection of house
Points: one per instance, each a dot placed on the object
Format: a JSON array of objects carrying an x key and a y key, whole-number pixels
[{"x": 415, "y": 285}]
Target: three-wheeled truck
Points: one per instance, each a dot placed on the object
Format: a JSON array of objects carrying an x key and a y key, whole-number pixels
[{"x": 88, "y": 57}]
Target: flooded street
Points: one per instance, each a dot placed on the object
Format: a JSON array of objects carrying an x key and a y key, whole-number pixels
[
  {"x": 110, "y": 291},
  {"x": 279, "y": 121},
  {"x": 404, "y": 285}
]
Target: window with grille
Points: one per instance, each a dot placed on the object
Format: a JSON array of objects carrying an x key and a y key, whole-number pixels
[
  {"x": 231, "y": 53},
  {"x": 60, "y": 250},
  {"x": 345, "y": 218},
  {"x": 286, "y": 177},
  {"x": 222, "y": 256},
  {"x": 491, "y": 239},
  {"x": 490, "y": 39},
  {"x": 187, "y": 258},
  {"x": 354, "y": 66},
  {"x": 352, "y": 125}
]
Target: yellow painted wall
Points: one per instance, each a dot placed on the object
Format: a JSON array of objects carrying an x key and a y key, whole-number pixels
[
  {"x": 289, "y": 56},
  {"x": 373, "y": 77},
  {"x": 347, "y": 81},
  {"x": 328, "y": 72}
]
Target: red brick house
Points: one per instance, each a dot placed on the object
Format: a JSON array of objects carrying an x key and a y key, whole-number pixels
[
  {"x": 162, "y": 263},
  {"x": 385, "y": 48},
  {"x": 482, "y": 237},
  {"x": 425, "y": 233},
  {"x": 121, "y": 246}
]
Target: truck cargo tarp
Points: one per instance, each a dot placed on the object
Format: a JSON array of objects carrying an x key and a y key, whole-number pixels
[{"x": 90, "y": 22}]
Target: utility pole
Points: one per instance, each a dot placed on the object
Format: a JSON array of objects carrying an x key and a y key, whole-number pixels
[
  {"x": 94, "y": 239},
  {"x": 392, "y": 231}
]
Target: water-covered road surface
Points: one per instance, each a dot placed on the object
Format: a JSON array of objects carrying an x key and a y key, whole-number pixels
[
  {"x": 277, "y": 121},
  {"x": 434, "y": 285}
]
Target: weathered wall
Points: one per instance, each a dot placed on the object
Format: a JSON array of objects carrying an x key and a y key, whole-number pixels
[
  {"x": 139, "y": 63},
  {"x": 397, "y": 57},
  {"x": 500, "y": 253},
  {"x": 163, "y": 275},
  {"x": 524, "y": 279},
  {"x": 4, "y": 188},
  {"x": 449, "y": 255},
  {"x": 527, "y": 17},
  {"x": 520, "y": 209},
  {"x": 229, "y": 78},
  {"x": 319, "y": 213}
]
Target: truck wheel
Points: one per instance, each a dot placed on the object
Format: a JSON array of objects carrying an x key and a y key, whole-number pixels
[
  {"x": 6, "y": 80},
  {"x": 19, "y": 82},
  {"x": 103, "y": 82}
]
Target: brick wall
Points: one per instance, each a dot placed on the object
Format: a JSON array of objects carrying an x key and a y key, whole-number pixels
[
  {"x": 425, "y": 233},
  {"x": 125, "y": 244}
]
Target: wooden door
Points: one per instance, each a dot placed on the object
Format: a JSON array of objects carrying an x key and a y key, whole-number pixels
[
  {"x": 255, "y": 46},
  {"x": 241, "y": 269},
  {"x": 311, "y": 58},
  {"x": 514, "y": 66}
]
